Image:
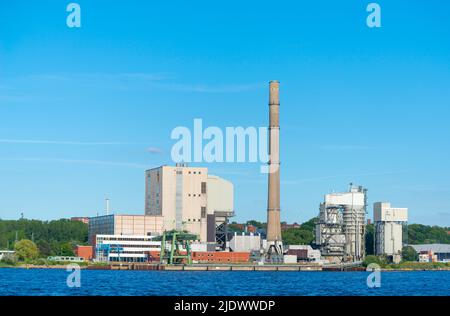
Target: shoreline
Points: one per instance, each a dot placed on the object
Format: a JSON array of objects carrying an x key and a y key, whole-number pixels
[{"x": 219, "y": 268}]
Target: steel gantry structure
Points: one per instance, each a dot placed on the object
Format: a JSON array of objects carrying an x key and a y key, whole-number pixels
[{"x": 179, "y": 250}]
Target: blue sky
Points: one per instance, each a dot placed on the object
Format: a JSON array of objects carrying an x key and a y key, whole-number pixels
[{"x": 83, "y": 112}]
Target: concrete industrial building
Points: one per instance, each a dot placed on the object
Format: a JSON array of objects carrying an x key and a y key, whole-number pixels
[
  {"x": 126, "y": 225},
  {"x": 245, "y": 242},
  {"x": 389, "y": 222},
  {"x": 189, "y": 199},
  {"x": 340, "y": 229},
  {"x": 304, "y": 253},
  {"x": 433, "y": 252},
  {"x": 220, "y": 207}
]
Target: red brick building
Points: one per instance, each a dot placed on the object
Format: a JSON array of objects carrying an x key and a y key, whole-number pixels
[
  {"x": 81, "y": 219},
  {"x": 85, "y": 252},
  {"x": 211, "y": 257},
  {"x": 285, "y": 226}
]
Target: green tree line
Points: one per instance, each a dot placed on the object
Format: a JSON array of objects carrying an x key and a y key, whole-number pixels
[
  {"x": 52, "y": 238},
  {"x": 305, "y": 235},
  {"x": 422, "y": 234}
]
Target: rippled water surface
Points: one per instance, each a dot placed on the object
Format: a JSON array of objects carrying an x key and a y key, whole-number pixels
[{"x": 143, "y": 283}]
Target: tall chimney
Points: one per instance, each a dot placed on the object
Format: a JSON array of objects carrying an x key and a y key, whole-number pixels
[
  {"x": 107, "y": 206},
  {"x": 274, "y": 239}
]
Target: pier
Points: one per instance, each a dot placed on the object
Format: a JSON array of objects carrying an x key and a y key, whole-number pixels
[{"x": 212, "y": 267}]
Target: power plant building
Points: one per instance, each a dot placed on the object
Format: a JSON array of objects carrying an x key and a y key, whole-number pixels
[
  {"x": 340, "y": 229},
  {"x": 184, "y": 197},
  {"x": 389, "y": 223},
  {"x": 220, "y": 207}
]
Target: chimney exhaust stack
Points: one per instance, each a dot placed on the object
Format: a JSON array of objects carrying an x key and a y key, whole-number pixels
[{"x": 274, "y": 251}]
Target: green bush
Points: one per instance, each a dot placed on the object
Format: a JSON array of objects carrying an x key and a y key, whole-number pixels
[
  {"x": 419, "y": 265},
  {"x": 409, "y": 254},
  {"x": 371, "y": 259},
  {"x": 40, "y": 262},
  {"x": 382, "y": 261},
  {"x": 26, "y": 250}
]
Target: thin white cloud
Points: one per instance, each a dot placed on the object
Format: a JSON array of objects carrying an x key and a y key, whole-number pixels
[
  {"x": 345, "y": 147},
  {"x": 201, "y": 88},
  {"x": 154, "y": 150},
  {"x": 130, "y": 80},
  {"x": 14, "y": 98},
  {"x": 95, "y": 77},
  {"x": 78, "y": 161},
  {"x": 422, "y": 188},
  {"x": 348, "y": 176},
  {"x": 58, "y": 142}
]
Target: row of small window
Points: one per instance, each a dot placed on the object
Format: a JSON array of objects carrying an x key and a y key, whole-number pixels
[
  {"x": 122, "y": 239},
  {"x": 199, "y": 195},
  {"x": 115, "y": 259},
  {"x": 215, "y": 260},
  {"x": 189, "y": 172},
  {"x": 101, "y": 220},
  {"x": 113, "y": 247},
  {"x": 129, "y": 252}
]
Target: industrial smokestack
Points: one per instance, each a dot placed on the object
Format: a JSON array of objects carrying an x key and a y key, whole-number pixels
[
  {"x": 274, "y": 240},
  {"x": 107, "y": 206}
]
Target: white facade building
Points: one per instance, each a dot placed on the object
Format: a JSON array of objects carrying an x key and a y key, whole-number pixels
[
  {"x": 119, "y": 248},
  {"x": 6, "y": 253},
  {"x": 245, "y": 243},
  {"x": 389, "y": 229}
]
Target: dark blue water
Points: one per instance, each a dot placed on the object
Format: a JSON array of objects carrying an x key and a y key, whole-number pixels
[{"x": 144, "y": 283}]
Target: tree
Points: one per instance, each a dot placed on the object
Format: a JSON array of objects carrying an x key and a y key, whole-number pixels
[
  {"x": 371, "y": 259},
  {"x": 409, "y": 254},
  {"x": 235, "y": 227},
  {"x": 300, "y": 236},
  {"x": 67, "y": 250},
  {"x": 26, "y": 250},
  {"x": 369, "y": 238},
  {"x": 422, "y": 234},
  {"x": 44, "y": 247},
  {"x": 257, "y": 224},
  {"x": 297, "y": 236},
  {"x": 46, "y": 234},
  {"x": 310, "y": 225}
]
